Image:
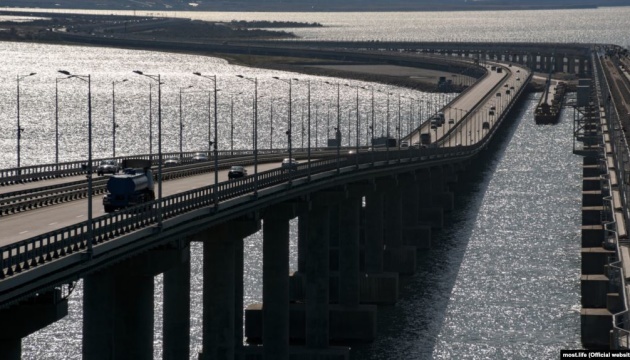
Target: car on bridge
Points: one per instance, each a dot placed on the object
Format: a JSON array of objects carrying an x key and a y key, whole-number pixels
[
  {"x": 172, "y": 161},
  {"x": 107, "y": 167},
  {"x": 290, "y": 164},
  {"x": 237, "y": 171},
  {"x": 200, "y": 156}
]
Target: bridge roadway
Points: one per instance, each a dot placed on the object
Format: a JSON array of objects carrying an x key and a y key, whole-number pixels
[
  {"x": 471, "y": 109},
  {"x": 124, "y": 243},
  {"x": 34, "y": 222},
  {"x": 474, "y": 103}
]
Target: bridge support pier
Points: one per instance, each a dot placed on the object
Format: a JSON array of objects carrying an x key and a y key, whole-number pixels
[
  {"x": 219, "y": 292},
  {"x": 380, "y": 287},
  {"x": 125, "y": 290},
  {"x": 21, "y": 320},
  {"x": 398, "y": 258},
  {"x": 416, "y": 234},
  {"x": 317, "y": 310},
  {"x": 176, "y": 313}
]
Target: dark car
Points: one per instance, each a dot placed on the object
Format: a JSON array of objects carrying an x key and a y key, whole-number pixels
[
  {"x": 200, "y": 157},
  {"x": 289, "y": 163},
  {"x": 107, "y": 167},
  {"x": 237, "y": 171}
]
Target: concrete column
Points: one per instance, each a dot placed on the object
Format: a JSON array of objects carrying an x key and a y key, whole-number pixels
[
  {"x": 302, "y": 236},
  {"x": 276, "y": 284},
  {"x": 374, "y": 232},
  {"x": 582, "y": 66},
  {"x": 317, "y": 274},
  {"x": 118, "y": 311},
  {"x": 559, "y": 63},
  {"x": 349, "y": 252},
  {"x": 415, "y": 233},
  {"x": 11, "y": 349},
  {"x": 176, "y": 316},
  {"x": 239, "y": 264},
  {"x": 393, "y": 218},
  {"x": 218, "y": 294},
  {"x": 25, "y": 318}
]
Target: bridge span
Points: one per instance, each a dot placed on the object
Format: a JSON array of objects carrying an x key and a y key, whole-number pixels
[{"x": 362, "y": 217}]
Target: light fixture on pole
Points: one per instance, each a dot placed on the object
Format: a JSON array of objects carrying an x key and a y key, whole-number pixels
[
  {"x": 90, "y": 226},
  {"x": 181, "y": 122},
  {"x": 338, "y": 128},
  {"x": 159, "y": 203},
  {"x": 114, "y": 125},
  {"x": 19, "y": 127},
  {"x": 356, "y": 155},
  {"x": 57, "y": 121},
  {"x": 290, "y": 130},
  {"x": 255, "y": 131},
  {"x": 213, "y": 78}
]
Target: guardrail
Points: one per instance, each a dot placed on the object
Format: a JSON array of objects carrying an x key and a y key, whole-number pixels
[
  {"x": 73, "y": 168},
  {"x": 620, "y": 337},
  {"x": 61, "y": 243},
  {"x": 21, "y": 200},
  {"x": 44, "y": 248}
]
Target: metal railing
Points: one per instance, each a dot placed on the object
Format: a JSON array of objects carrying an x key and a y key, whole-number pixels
[
  {"x": 74, "y": 168},
  {"x": 61, "y": 243},
  {"x": 38, "y": 250},
  {"x": 620, "y": 337}
]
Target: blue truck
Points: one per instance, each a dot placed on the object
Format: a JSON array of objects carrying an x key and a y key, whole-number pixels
[{"x": 133, "y": 187}]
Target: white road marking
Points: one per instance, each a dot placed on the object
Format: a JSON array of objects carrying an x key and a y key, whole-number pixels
[
  {"x": 53, "y": 223},
  {"x": 23, "y": 232}
]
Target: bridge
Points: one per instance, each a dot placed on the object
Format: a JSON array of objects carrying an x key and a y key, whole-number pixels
[{"x": 371, "y": 208}]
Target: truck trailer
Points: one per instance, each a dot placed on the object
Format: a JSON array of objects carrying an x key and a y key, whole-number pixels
[{"x": 133, "y": 187}]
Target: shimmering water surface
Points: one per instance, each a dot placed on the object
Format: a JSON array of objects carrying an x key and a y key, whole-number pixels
[{"x": 502, "y": 281}]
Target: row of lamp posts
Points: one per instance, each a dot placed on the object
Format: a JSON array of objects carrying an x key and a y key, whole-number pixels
[{"x": 213, "y": 143}]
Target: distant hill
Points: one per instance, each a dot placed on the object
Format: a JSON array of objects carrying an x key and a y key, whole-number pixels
[{"x": 312, "y": 5}]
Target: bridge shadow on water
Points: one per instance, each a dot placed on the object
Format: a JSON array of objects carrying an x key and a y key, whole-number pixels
[{"x": 410, "y": 329}]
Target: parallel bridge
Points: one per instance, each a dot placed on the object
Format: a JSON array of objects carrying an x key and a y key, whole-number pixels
[{"x": 372, "y": 209}]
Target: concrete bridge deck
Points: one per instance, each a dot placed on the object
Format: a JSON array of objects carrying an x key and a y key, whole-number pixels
[{"x": 130, "y": 240}]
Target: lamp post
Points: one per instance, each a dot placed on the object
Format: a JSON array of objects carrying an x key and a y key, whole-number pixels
[
  {"x": 150, "y": 123},
  {"x": 338, "y": 128},
  {"x": 114, "y": 125},
  {"x": 356, "y": 155},
  {"x": 213, "y": 78},
  {"x": 19, "y": 128},
  {"x": 271, "y": 124},
  {"x": 309, "y": 131},
  {"x": 181, "y": 123},
  {"x": 90, "y": 226},
  {"x": 289, "y": 131},
  {"x": 159, "y": 203},
  {"x": 255, "y": 135},
  {"x": 57, "y": 121}
]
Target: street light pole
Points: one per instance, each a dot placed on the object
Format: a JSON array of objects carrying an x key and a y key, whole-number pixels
[
  {"x": 213, "y": 78},
  {"x": 90, "y": 225},
  {"x": 114, "y": 125},
  {"x": 309, "y": 131},
  {"x": 338, "y": 128},
  {"x": 159, "y": 203},
  {"x": 57, "y": 124},
  {"x": 19, "y": 128},
  {"x": 181, "y": 123},
  {"x": 271, "y": 124},
  {"x": 150, "y": 123},
  {"x": 255, "y": 128},
  {"x": 289, "y": 132}
]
